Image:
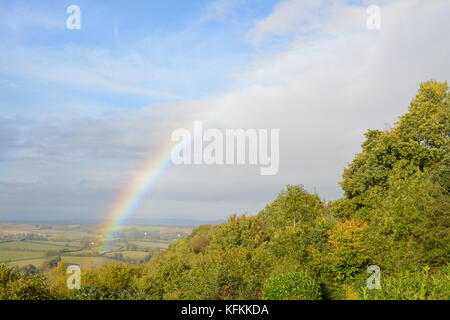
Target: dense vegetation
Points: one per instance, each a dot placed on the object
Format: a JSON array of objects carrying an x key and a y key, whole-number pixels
[{"x": 395, "y": 213}]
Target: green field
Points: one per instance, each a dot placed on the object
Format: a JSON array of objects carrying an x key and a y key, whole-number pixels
[
  {"x": 35, "y": 245},
  {"x": 83, "y": 252},
  {"x": 18, "y": 250},
  {"x": 83, "y": 262},
  {"x": 74, "y": 244},
  {"x": 79, "y": 244},
  {"x": 86, "y": 262},
  {"x": 136, "y": 255},
  {"x": 7, "y": 256},
  {"x": 141, "y": 245},
  {"x": 150, "y": 244}
]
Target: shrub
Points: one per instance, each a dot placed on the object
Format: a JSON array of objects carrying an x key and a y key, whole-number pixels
[
  {"x": 17, "y": 286},
  {"x": 419, "y": 284},
  {"x": 292, "y": 286}
]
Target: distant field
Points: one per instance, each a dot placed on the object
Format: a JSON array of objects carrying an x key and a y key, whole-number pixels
[
  {"x": 150, "y": 244},
  {"x": 72, "y": 244},
  {"x": 129, "y": 254},
  {"x": 143, "y": 228},
  {"x": 6, "y": 256},
  {"x": 134, "y": 242},
  {"x": 142, "y": 244},
  {"x": 20, "y": 227},
  {"x": 61, "y": 235},
  {"x": 86, "y": 262},
  {"x": 31, "y": 245},
  {"x": 84, "y": 252},
  {"x": 21, "y": 263},
  {"x": 83, "y": 262},
  {"x": 29, "y": 249}
]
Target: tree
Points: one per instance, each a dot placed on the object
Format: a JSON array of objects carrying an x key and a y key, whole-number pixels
[{"x": 418, "y": 143}]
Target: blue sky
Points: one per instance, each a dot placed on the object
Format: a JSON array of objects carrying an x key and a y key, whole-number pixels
[
  {"x": 174, "y": 50},
  {"x": 182, "y": 49},
  {"x": 81, "y": 110}
]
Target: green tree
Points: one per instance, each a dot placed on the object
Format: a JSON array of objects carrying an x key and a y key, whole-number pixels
[{"x": 418, "y": 143}]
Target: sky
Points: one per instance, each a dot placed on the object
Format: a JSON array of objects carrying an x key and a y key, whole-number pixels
[{"x": 82, "y": 111}]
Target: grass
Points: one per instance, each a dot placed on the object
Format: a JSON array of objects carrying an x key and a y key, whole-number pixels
[
  {"x": 84, "y": 252},
  {"x": 141, "y": 245},
  {"x": 86, "y": 262},
  {"x": 12, "y": 251},
  {"x": 8, "y": 256},
  {"x": 70, "y": 244},
  {"x": 21, "y": 263},
  {"x": 33, "y": 246},
  {"x": 150, "y": 244},
  {"x": 83, "y": 262},
  {"x": 412, "y": 285},
  {"x": 129, "y": 254}
]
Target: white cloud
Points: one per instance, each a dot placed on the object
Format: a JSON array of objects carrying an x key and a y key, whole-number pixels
[
  {"x": 219, "y": 10},
  {"x": 289, "y": 16},
  {"x": 88, "y": 69}
]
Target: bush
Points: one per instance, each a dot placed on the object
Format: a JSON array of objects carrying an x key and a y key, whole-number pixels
[
  {"x": 102, "y": 293},
  {"x": 419, "y": 284},
  {"x": 292, "y": 286},
  {"x": 17, "y": 286}
]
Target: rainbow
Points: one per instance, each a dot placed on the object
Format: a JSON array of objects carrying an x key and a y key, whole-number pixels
[
  {"x": 134, "y": 193},
  {"x": 130, "y": 198}
]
